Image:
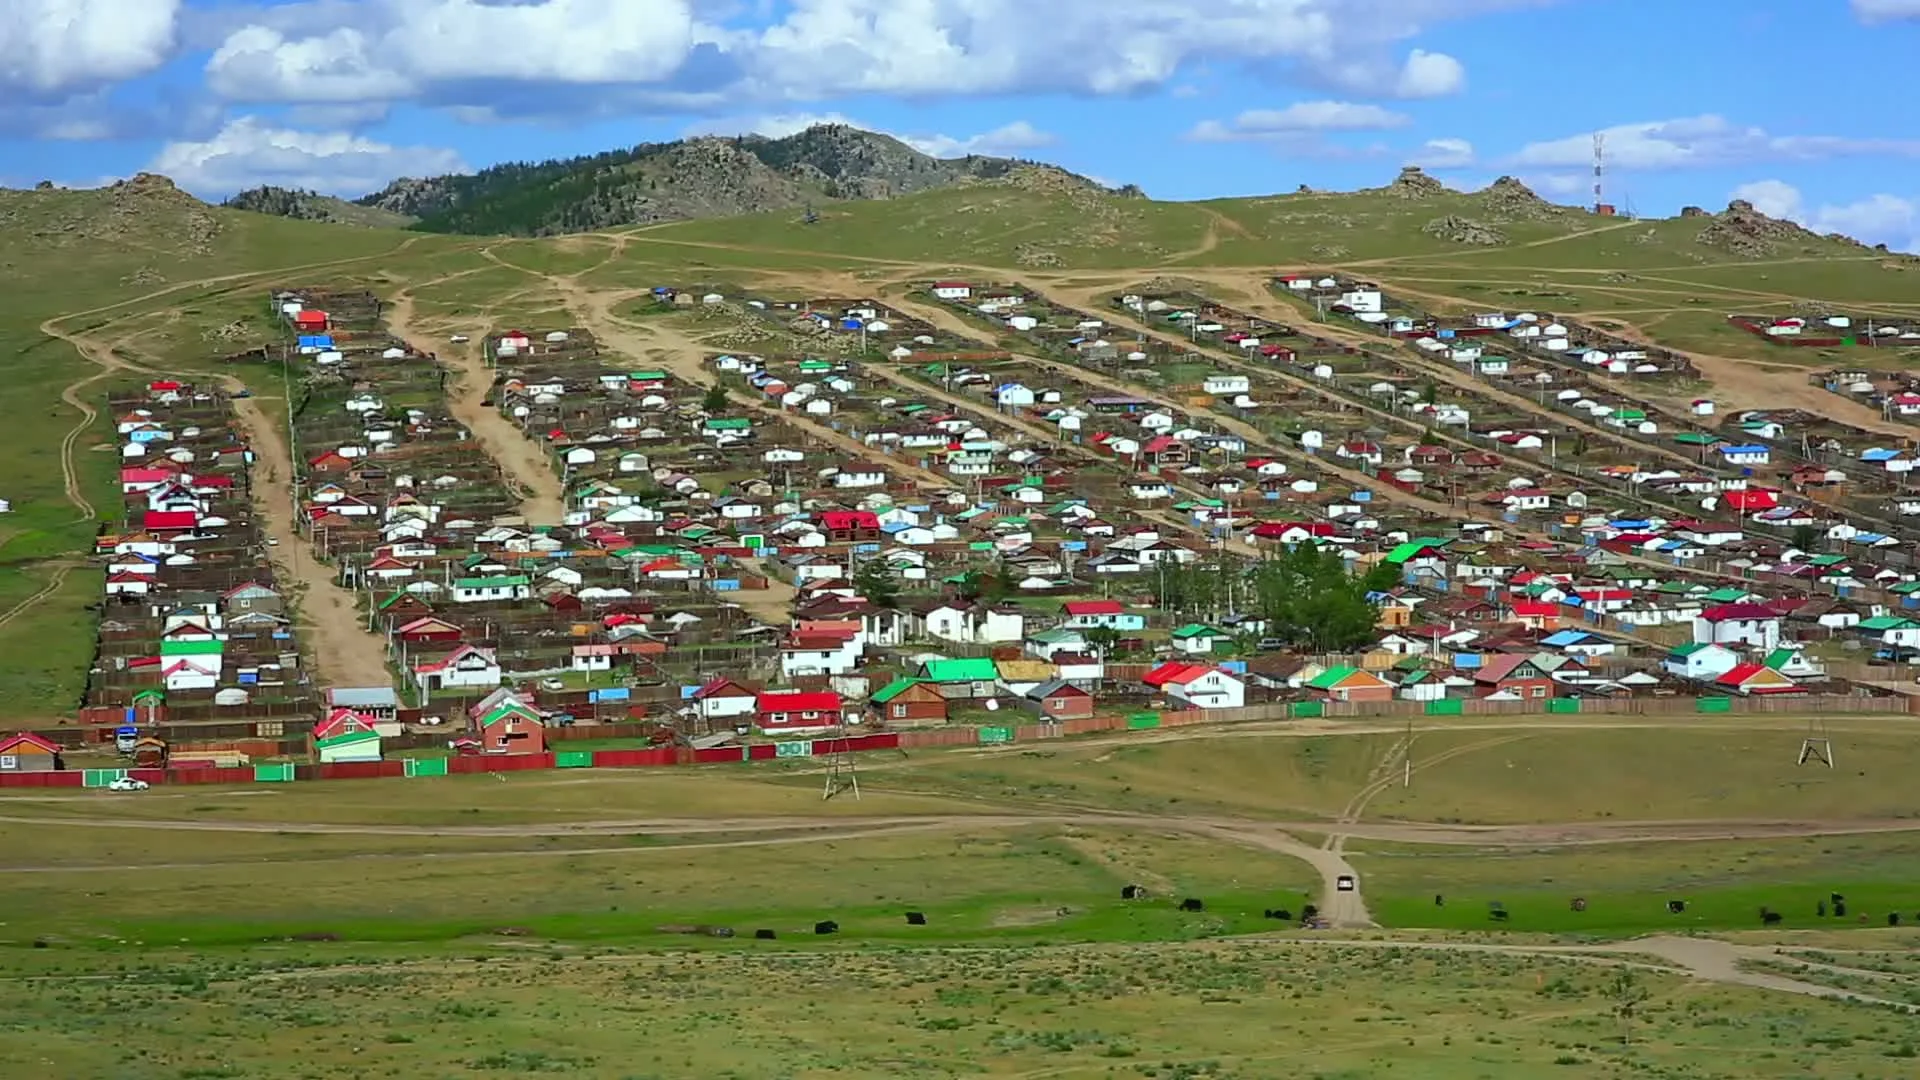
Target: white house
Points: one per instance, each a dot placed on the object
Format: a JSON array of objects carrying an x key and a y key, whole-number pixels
[
  {"x": 467, "y": 667},
  {"x": 723, "y": 700},
  {"x": 952, "y": 290},
  {"x": 1738, "y": 624},
  {"x": 1700, "y": 661},
  {"x": 1197, "y": 686},
  {"x": 1219, "y": 384}
]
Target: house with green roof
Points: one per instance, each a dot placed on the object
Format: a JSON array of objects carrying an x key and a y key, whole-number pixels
[
  {"x": 908, "y": 702},
  {"x": 1795, "y": 665},
  {"x": 1199, "y": 639},
  {"x": 1344, "y": 683},
  {"x": 962, "y": 679},
  {"x": 494, "y": 589},
  {"x": 722, "y": 425},
  {"x": 1890, "y": 632}
]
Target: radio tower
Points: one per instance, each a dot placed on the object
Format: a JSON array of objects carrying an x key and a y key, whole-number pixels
[{"x": 1600, "y": 207}]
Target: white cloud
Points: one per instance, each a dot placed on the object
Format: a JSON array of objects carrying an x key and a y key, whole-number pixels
[
  {"x": 1701, "y": 142},
  {"x": 1873, "y": 11},
  {"x": 1876, "y": 219},
  {"x": 477, "y": 52},
  {"x": 1443, "y": 154},
  {"x": 1298, "y": 119},
  {"x": 1428, "y": 74},
  {"x": 52, "y": 48},
  {"x": 247, "y": 152},
  {"x": 1006, "y": 140}
]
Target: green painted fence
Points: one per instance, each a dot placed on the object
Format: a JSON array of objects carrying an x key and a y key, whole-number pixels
[
  {"x": 281, "y": 773},
  {"x": 1563, "y": 705},
  {"x": 793, "y": 748},
  {"x": 1143, "y": 721},
  {"x": 1446, "y": 707},
  {"x": 1713, "y": 704},
  {"x": 433, "y": 766},
  {"x": 1305, "y": 709},
  {"x": 573, "y": 759},
  {"x": 100, "y": 777},
  {"x": 992, "y": 735}
]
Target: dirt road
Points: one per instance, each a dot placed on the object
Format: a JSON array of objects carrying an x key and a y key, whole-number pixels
[
  {"x": 342, "y": 651},
  {"x": 339, "y": 648},
  {"x": 524, "y": 463}
]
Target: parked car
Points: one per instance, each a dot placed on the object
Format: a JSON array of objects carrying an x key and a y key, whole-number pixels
[
  {"x": 1344, "y": 883},
  {"x": 552, "y": 685},
  {"x": 127, "y": 783}
]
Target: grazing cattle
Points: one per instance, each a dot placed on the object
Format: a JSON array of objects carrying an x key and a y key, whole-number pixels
[
  {"x": 1893, "y": 918},
  {"x": 1498, "y": 915},
  {"x": 1769, "y": 918},
  {"x": 1837, "y": 898},
  {"x": 1839, "y": 909},
  {"x": 1579, "y": 903},
  {"x": 763, "y": 935},
  {"x": 1439, "y": 901},
  {"x": 1309, "y": 913},
  {"x": 1820, "y": 909},
  {"x": 827, "y": 927},
  {"x": 1133, "y": 892},
  {"x": 1193, "y": 903},
  {"x": 916, "y": 918},
  {"x": 1675, "y": 907}
]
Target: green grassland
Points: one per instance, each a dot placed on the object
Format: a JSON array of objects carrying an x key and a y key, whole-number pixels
[
  {"x": 471, "y": 925},
  {"x": 1244, "y": 1011},
  {"x": 1517, "y": 775},
  {"x": 1724, "y": 884}
]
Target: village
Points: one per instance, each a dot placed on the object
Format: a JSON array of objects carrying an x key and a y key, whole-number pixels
[{"x": 973, "y": 514}]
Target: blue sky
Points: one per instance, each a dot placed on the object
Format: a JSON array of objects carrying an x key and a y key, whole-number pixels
[{"x": 1801, "y": 106}]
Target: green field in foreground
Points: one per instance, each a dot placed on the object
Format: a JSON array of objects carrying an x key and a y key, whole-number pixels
[
  {"x": 1533, "y": 771},
  {"x": 1723, "y": 883},
  {"x": 1006, "y": 884},
  {"x": 1249, "y": 1010}
]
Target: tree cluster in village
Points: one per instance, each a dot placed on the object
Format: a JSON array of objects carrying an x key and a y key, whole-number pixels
[{"x": 1304, "y": 595}]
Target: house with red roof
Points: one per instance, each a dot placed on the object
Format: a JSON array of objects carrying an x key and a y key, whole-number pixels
[
  {"x": 1534, "y": 614},
  {"x": 798, "y": 712},
  {"x": 1753, "y": 625},
  {"x": 26, "y": 752},
  {"x": 310, "y": 321},
  {"x": 157, "y": 521},
  {"x": 1750, "y": 679},
  {"x": 1752, "y": 500},
  {"x": 1512, "y": 675},
  {"x": 851, "y": 526},
  {"x": 952, "y": 290},
  {"x": 724, "y": 701},
  {"x": 1292, "y": 532},
  {"x": 1197, "y": 686},
  {"x": 835, "y": 652},
  {"x": 430, "y": 630},
  {"x": 342, "y": 721},
  {"x": 1090, "y": 614},
  {"x": 468, "y": 667}
]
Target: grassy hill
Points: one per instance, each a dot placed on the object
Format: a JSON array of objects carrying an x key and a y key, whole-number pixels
[
  {"x": 312, "y": 206},
  {"x": 690, "y": 178}
]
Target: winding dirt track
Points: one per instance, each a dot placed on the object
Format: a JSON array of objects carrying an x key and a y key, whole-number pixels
[{"x": 528, "y": 471}]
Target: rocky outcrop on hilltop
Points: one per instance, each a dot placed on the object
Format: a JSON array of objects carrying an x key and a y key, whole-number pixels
[
  {"x": 1460, "y": 230},
  {"x": 1414, "y": 183},
  {"x": 1508, "y": 199},
  {"x": 1744, "y": 231}
]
